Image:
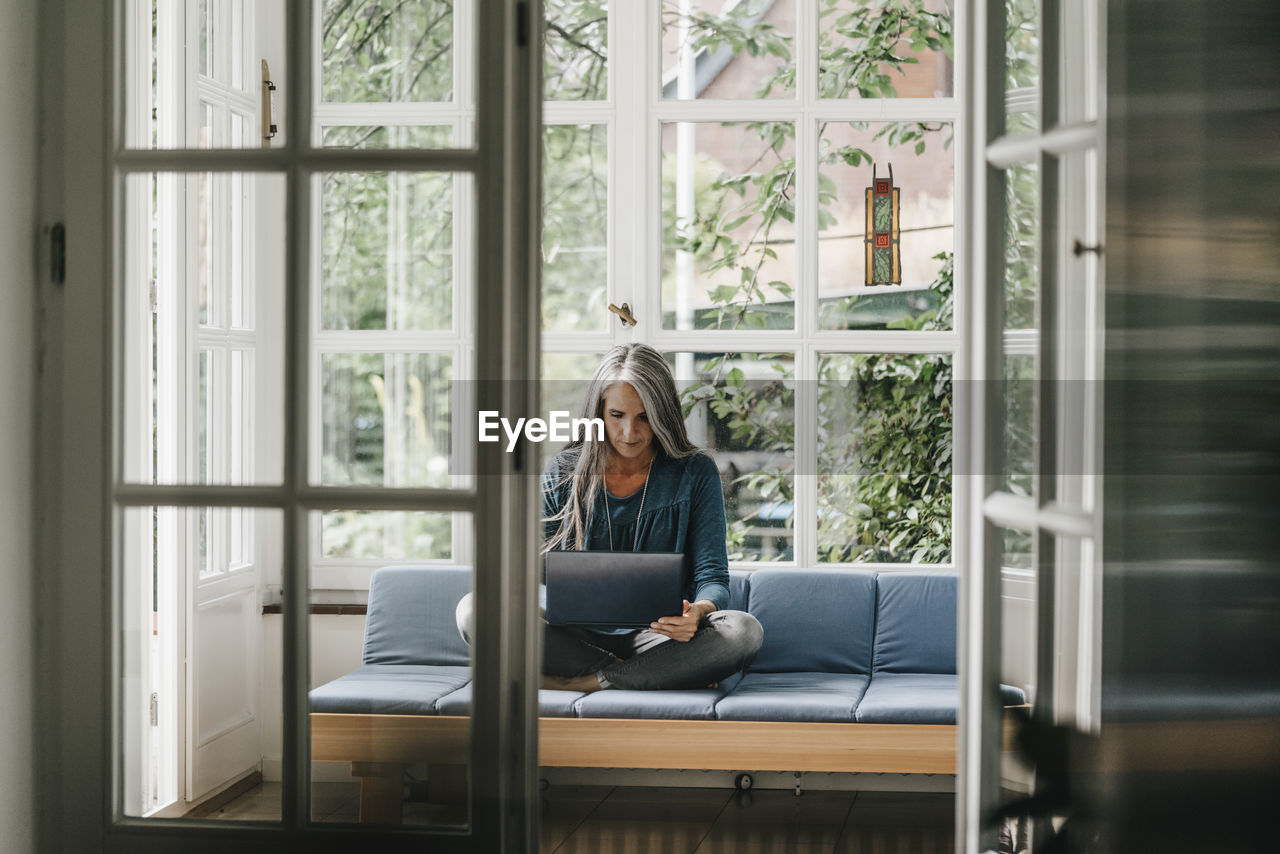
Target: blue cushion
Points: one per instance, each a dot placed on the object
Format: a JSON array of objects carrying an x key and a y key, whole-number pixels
[
  {"x": 1011, "y": 696},
  {"x": 815, "y": 620},
  {"x": 916, "y": 622},
  {"x": 739, "y": 588},
  {"x": 411, "y": 616},
  {"x": 696, "y": 704},
  {"x": 828, "y": 697},
  {"x": 389, "y": 689},
  {"x": 910, "y": 698},
  {"x": 551, "y": 704}
]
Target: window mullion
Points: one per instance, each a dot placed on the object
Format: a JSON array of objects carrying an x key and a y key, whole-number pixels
[
  {"x": 804, "y": 528},
  {"x": 632, "y": 192}
]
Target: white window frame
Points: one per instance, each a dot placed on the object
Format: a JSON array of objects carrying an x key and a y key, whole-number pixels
[
  {"x": 504, "y": 168},
  {"x": 634, "y": 247},
  {"x": 635, "y": 240},
  {"x": 1064, "y": 586}
]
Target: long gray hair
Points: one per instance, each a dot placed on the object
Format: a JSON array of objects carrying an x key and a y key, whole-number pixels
[{"x": 584, "y": 461}]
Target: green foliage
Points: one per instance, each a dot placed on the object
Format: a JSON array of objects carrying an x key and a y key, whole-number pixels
[
  {"x": 884, "y": 450},
  {"x": 1022, "y": 44},
  {"x": 387, "y": 50},
  {"x": 861, "y": 43},
  {"x": 575, "y": 62}
]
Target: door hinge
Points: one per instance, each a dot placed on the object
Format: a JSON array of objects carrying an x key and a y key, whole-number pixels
[{"x": 155, "y": 709}]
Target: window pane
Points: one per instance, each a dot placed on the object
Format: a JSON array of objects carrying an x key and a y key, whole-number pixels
[
  {"x": 375, "y": 51},
  {"x": 387, "y": 419},
  {"x": 884, "y": 50},
  {"x": 576, "y": 61},
  {"x": 1022, "y": 65},
  {"x": 192, "y": 75},
  {"x": 361, "y": 535},
  {"x": 728, "y": 225},
  {"x": 564, "y": 388},
  {"x": 200, "y": 663},
  {"x": 884, "y": 458},
  {"x": 738, "y": 50},
  {"x": 741, "y": 408},
  {"x": 919, "y": 158},
  {"x": 387, "y": 250},
  {"x": 202, "y": 339},
  {"x": 1022, "y": 247},
  {"x": 1021, "y": 321},
  {"x": 411, "y": 663},
  {"x": 388, "y": 136},
  {"x": 575, "y": 228},
  {"x": 1020, "y": 593}
]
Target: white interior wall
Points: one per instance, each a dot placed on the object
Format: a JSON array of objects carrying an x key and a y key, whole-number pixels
[
  {"x": 18, "y": 167},
  {"x": 336, "y": 643}
]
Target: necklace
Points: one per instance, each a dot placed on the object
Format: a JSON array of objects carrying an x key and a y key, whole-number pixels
[{"x": 608, "y": 515}]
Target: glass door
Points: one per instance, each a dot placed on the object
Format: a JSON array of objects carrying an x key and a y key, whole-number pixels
[
  {"x": 322, "y": 269},
  {"x": 1031, "y": 639}
]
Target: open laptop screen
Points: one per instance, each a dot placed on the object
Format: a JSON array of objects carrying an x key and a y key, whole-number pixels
[{"x": 623, "y": 589}]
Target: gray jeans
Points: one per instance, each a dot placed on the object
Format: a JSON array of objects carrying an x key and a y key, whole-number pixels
[{"x": 726, "y": 642}]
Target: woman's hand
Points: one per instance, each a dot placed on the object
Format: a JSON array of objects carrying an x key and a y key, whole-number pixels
[{"x": 682, "y": 628}]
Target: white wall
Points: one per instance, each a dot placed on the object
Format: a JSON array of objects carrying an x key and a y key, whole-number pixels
[
  {"x": 336, "y": 645},
  {"x": 18, "y": 167}
]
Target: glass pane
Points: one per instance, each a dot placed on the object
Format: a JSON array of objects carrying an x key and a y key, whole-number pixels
[
  {"x": 563, "y": 389},
  {"x": 387, "y": 250},
  {"x": 386, "y": 641},
  {"x": 200, "y": 663},
  {"x": 1021, "y": 291},
  {"x": 386, "y": 52},
  {"x": 576, "y": 61},
  {"x": 575, "y": 228},
  {"x": 202, "y": 341},
  {"x": 856, "y": 159},
  {"x": 192, "y": 76},
  {"x": 884, "y": 50},
  {"x": 737, "y": 50},
  {"x": 884, "y": 458},
  {"x": 1022, "y": 65},
  {"x": 741, "y": 408},
  {"x": 388, "y": 420},
  {"x": 388, "y": 136},
  {"x": 728, "y": 225},
  {"x": 1018, "y": 471},
  {"x": 362, "y": 535},
  {"x": 1020, "y": 592}
]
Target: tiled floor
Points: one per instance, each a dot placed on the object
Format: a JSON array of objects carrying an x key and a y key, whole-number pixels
[{"x": 641, "y": 819}]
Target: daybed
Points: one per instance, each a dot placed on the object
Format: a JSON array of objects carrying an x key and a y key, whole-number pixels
[{"x": 857, "y": 673}]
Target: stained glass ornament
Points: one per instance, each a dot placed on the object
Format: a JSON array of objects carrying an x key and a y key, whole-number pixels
[{"x": 882, "y": 236}]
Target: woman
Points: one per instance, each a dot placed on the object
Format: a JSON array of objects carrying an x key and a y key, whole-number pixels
[{"x": 646, "y": 488}]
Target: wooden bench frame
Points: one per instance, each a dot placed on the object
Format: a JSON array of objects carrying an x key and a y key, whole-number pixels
[{"x": 381, "y": 747}]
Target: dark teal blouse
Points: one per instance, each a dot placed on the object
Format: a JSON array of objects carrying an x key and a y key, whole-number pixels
[{"x": 683, "y": 512}]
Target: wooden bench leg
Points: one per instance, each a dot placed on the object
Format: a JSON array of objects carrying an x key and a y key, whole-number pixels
[{"x": 381, "y": 791}]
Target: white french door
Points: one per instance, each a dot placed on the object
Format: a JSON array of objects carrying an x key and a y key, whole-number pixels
[
  {"x": 185, "y": 525},
  {"x": 1033, "y": 599}
]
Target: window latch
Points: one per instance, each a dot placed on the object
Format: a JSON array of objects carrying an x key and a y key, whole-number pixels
[{"x": 624, "y": 314}]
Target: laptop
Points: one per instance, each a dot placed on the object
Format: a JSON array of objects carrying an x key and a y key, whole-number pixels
[{"x": 623, "y": 589}]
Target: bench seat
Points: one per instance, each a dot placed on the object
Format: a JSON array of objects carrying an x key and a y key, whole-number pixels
[{"x": 857, "y": 673}]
